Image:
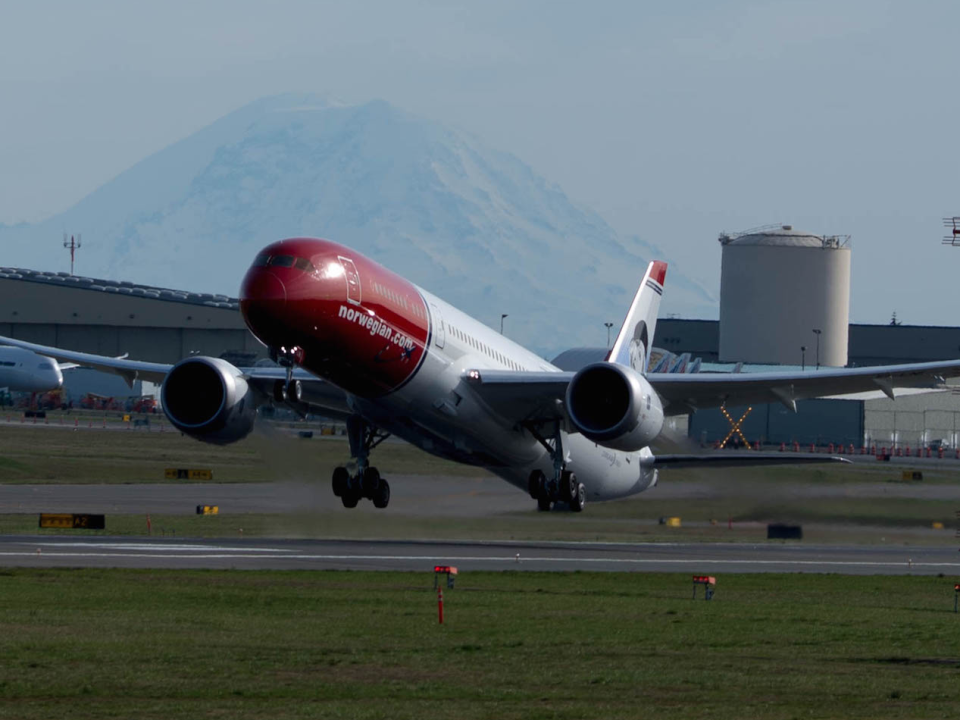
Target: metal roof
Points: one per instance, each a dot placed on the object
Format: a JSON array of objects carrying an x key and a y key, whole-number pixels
[
  {"x": 783, "y": 236},
  {"x": 122, "y": 287}
]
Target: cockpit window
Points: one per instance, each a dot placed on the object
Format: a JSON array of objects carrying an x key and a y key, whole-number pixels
[
  {"x": 305, "y": 265},
  {"x": 281, "y": 261},
  {"x": 262, "y": 260}
]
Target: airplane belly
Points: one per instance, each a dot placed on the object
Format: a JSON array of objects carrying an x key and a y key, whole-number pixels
[{"x": 435, "y": 412}]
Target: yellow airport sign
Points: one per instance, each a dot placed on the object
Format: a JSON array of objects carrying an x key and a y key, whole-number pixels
[
  {"x": 187, "y": 474},
  {"x": 72, "y": 521},
  {"x": 208, "y": 509}
]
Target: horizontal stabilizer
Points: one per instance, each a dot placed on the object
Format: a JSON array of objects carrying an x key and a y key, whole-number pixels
[{"x": 742, "y": 459}]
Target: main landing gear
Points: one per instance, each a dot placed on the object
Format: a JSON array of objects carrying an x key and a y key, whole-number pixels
[
  {"x": 563, "y": 486},
  {"x": 366, "y": 482}
]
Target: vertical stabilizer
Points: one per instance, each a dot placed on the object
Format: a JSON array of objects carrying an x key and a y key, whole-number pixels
[{"x": 632, "y": 347}]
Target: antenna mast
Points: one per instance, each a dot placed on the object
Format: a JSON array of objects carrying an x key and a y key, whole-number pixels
[
  {"x": 952, "y": 236},
  {"x": 73, "y": 244}
]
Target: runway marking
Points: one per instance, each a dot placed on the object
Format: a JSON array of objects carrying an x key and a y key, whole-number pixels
[
  {"x": 469, "y": 558},
  {"x": 156, "y": 547}
]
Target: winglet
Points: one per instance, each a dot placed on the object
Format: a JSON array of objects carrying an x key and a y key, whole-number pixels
[{"x": 632, "y": 347}]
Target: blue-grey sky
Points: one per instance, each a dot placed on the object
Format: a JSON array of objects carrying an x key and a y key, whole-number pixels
[{"x": 673, "y": 120}]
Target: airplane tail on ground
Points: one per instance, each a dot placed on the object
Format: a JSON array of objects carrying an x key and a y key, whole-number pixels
[{"x": 632, "y": 347}]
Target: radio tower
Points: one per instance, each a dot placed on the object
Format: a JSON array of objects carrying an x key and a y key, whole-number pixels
[{"x": 73, "y": 244}]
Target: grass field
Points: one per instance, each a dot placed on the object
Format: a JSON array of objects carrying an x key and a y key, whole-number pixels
[
  {"x": 38, "y": 454},
  {"x": 31, "y": 454},
  {"x": 195, "y": 644}
]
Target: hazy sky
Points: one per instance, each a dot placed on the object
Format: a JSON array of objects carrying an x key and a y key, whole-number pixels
[{"x": 673, "y": 120}]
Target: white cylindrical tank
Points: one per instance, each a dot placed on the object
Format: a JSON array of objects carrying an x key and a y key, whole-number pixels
[{"x": 782, "y": 290}]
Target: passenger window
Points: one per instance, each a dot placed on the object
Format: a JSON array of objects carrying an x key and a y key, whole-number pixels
[{"x": 282, "y": 261}]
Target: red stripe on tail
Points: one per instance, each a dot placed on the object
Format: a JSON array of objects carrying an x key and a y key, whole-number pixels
[{"x": 659, "y": 272}]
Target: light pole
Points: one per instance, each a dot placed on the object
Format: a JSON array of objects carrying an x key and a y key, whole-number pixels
[
  {"x": 817, "y": 331},
  {"x": 504, "y": 315},
  {"x": 803, "y": 358},
  {"x": 608, "y": 325}
]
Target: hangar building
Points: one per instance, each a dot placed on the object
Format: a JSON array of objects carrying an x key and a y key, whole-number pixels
[{"x": 115, "y": 318}]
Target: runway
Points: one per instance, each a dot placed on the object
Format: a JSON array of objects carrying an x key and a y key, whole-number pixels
[
  {"x": 412, "y": 496},
  {"x": 259, "y": 554}
]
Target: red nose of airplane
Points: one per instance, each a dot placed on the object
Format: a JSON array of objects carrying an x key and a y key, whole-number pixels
[
  {"x": 262, "y": 299},
  {"x": 262, "y": 286}
]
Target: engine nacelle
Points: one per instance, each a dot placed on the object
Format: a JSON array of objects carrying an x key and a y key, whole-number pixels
[
  {"x": 208, "y": 399},
  {"x": 614, "y": 406}
]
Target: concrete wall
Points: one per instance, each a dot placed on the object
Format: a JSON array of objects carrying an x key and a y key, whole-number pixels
[{"x": 914, "y": 420}]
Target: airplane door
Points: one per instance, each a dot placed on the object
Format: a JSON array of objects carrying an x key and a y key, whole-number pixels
[
  {"x": 353, "y": 280},
  {"x": 439, "y": 332}
]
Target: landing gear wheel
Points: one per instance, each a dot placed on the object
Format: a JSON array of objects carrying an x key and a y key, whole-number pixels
[
  {"x": 543, "y": 503},
  {"x": 381, "y": 496},
  {"x": 350, "y": 499},
  {"x": 369, "y": 481},
  {"x": 536, "y": 484},
  {"x": 579, "y": 498},
  {"x": 341, "y": 481},
  {"x": 568, "y": 486},
  {"x": 280, "y": 391}
]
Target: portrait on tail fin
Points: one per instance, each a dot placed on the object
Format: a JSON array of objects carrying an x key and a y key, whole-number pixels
[{"x": 638, "y": 348}]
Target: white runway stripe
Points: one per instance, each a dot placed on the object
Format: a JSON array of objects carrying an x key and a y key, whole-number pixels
[{"x": 477, "y": 558}]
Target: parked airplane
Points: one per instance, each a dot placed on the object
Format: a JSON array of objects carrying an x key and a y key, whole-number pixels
[
  {"x": 358, "y": 342},
  {"x": 25, "y": 371}
]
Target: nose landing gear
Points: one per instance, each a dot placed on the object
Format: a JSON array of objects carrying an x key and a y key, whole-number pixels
[{"x": 366, "y": 482}]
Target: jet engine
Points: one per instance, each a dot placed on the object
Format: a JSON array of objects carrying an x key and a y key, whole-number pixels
[
  {"x": 208, "y": 399},
  {"x": 614, "y": 406}
]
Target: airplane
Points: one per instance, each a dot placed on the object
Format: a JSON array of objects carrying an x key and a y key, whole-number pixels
[
  {"x": 357, "y": 342},
  {"x": 26, "y": 371}
]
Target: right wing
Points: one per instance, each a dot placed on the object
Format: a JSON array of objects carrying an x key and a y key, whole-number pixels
[{"x": 325, "y": 398}]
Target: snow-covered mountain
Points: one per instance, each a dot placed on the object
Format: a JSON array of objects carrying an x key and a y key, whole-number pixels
[{"x": 471, "y": 224}]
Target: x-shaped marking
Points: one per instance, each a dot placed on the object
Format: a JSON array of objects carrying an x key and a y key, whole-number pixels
[{"x": 735, "y": 426}]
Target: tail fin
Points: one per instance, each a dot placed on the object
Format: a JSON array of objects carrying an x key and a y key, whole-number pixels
[{"x": 632, "y": 347}]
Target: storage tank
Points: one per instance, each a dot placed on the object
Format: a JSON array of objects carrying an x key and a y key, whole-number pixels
[{"x": 782, "y": 290}]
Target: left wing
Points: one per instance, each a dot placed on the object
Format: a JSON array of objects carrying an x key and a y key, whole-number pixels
[{"x": 317, "y": 393}]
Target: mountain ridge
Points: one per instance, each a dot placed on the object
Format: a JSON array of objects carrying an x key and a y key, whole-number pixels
[{"x": 471, "y": 224}]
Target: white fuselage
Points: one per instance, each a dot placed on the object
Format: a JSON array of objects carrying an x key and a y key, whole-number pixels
[
  {"x": 25, "y": 371},
  {"x": 436, "y": 412}
]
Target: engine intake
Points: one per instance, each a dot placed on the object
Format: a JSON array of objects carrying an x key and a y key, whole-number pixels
[
  {"x": 208, "y": 399},
  {"x": 614, "y": 406}
]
